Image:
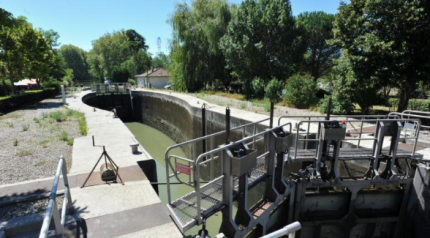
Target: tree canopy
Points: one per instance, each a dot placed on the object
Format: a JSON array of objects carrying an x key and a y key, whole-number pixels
[
  {"x": 317, "y": 31},
  {"x": 136, "y": 42},
  {"x": 262, "y": 40},
  {"x": 76, "y": 59},
  {"x": 112, "y": 52},
  {"x": 387, "y": 42},
  {"x": 26, "y": 51}
]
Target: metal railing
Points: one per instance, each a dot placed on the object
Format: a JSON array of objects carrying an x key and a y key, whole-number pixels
[
  {"x": 196, "y": 173},
  {"x": 289, "y": 230},
  {"x": 317, "y": 140},
  {"x": 111, "y": 88},
  {"x": 210, "y": 140},
  {"x": 52, "y": 211},
  {"x": 352, "y": 119},
  {"x": 412, "y": 114}
]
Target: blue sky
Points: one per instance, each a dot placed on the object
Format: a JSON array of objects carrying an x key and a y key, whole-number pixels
[{"x": 79, "y": 22}]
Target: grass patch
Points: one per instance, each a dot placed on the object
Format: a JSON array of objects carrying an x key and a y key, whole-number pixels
[
  {"x": 236, "y": 96},
  {"x": 255, "y": 103},
  {"x": 10, "y": 124},
  {"x": 201, "y": 95},
  {"x": 15, "y": 142},
  {"x": 25, "y": 127},
  {"x": 64, "y": 136},
  {"x": 70, "y": 142},
  {"x": 266, "y": 105},
  {"x": 243, "y": 105},
  {"x": 40, "y": 163},
  {"x": 58, "y": 116},
  {"x": 63, "y": 115},
  {"x": 36, "y": 120},
  {"x": 23, "y": 153},
  {"x": 44, "y": 143}
]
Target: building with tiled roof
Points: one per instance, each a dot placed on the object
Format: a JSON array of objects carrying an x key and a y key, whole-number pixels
[{"x": 155, "y": 78}]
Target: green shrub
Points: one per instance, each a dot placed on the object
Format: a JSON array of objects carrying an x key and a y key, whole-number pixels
[
  {"x": 273, "y": 90},
  {"x": 414, "y": 104},
  {"x": 15, "y": 142},
  {"x": 52, "y": 83},
  {"x": 301, "y": 91},
  {"x": 341, "y": 104},
  {"x": 132, "y": 82},
  {"x": 257, "y": 86},
  {"x": 11, "y": 103}
]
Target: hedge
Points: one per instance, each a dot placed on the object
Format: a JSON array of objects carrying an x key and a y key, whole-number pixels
[
  {"x": 14, "y": 102},
  {"x": 414, "y": 104}
]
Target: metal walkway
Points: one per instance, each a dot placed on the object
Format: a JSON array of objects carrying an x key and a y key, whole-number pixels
[{"x": 184, "y": 209}]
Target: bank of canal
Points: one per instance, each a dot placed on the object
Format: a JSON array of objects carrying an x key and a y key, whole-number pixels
[{"x": 155, "y": 143}]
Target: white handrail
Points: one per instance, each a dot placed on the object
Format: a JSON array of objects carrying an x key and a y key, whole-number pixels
[
  {"x": 289, "y": 230},
  {"x": 52, "y": 210}
]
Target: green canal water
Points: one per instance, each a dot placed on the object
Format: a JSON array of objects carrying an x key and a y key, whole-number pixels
[{"x": 156, "y": 143}]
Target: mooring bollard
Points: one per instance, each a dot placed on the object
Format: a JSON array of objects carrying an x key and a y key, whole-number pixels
[
  {"x": 63, "y": 94},
  {"x": 134, "y": 147}
]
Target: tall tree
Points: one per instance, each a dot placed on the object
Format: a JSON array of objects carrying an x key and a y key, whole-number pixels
[
  {"x": 262, "y": 41},
  {"x": 387, "y": 41},
  {"x": 196, "y": 56},
  {"x": 12, "y": 55},
  {"x": 38, "y": 52},
  {"x": 76, "y": 59},
  {"x": 136, "y": 42},
  {"x": 317, "y": 31},
  {"x": 26, "y": 51},
  {"x": 161, "y": 60},
  {"x": 112, "y": 51}
]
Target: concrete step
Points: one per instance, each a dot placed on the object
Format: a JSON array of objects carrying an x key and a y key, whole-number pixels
[{"x": 21, "y": 225}]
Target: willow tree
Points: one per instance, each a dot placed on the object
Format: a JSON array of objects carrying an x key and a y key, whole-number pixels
[
  {"x": 196, "y": 57},
  {"x": 387, "y": 41}
]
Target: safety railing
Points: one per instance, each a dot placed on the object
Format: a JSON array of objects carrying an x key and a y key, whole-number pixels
[
  {"x": 202, "y": 156},
  {"x": 110, "y": 88},
  {"x": 352, "y": 119},
  {"x": 414, "y": 115},
  {"x": 317, "y": 140},
  {"x": 210, "y": 142},
  {"x": 52, "y": 210},
  {"x": 289, "y": 230}
]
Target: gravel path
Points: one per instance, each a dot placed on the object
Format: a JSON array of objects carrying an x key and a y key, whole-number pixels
[
  {"x": 27, "y": 208},
  {"x": 255, "y": 107},
  {"x": 30, "y": 142}
]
